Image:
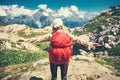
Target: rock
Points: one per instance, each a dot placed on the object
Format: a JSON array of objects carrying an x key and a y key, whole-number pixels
[
  {"x": 106, "y": 53},
  {"x": 82, "y": 52},
  {"x": 29, "y": 47},
  {"x": 90, "y": 55},
  {"x": 107, "y": 46},
  {"x": 101, "y": 38},
  {"x": 80, "y": 57},
  {"x": 84, "y": 37},
  {"x": 111, "y": 37},
  {"x": 9, "y": 77},
  {"x": 8, "y": 45},
  {"x": 111, "y": 43},
  {"x": 104, "y": 32},
  {"x": 98, "y": 54},
  {"x": 102, "y": 28},
  {"x": 114, "y": 31},
  {"x": 39, "y": 63}
]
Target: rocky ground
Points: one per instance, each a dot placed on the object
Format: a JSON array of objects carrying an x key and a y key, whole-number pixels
[{"x": 80, "y": 68}]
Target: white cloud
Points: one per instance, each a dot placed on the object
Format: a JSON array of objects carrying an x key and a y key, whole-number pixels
[
  {"x": 2, "y": 12},
  {"x": 74, "y": 8},
  {"x": 71, "y": 13},
  {"x": 49, "y": 10},
  {"x": 81, "y": 14},
  {"x": 42, "y": 6},
  {"x": 46, "y": 10},
  {"x": 14, "y": 10},
  {"x": 64, "y": 12}
]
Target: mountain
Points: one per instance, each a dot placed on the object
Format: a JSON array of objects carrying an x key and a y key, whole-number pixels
[
  {"x": 2, "y": 24},
  {"x": 43, "y": 16},
  {"x": 104, "y": 29}
]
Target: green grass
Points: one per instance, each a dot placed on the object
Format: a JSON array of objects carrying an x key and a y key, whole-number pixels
[
  {"x": 115, "y": 51},
  {"x": 32, "y": 34},
  {"x": 11, "y": 61},
  {"x": 113, "y": 61},
  {"x": 96, "y": 24},
  {"x": 43, "y": 45},
  {"x": 10, "y": 57}
]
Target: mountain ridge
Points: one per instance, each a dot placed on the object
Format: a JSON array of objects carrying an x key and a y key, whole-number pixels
[
  {"x": 103, "y": 29},
  {"x": 41, "y": 17}
]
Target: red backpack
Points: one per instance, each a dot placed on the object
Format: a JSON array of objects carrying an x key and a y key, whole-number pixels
[{"x": 61, "y": 50}]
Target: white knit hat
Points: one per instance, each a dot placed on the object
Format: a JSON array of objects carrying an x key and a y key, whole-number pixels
[{"x": 57, "y": 22}]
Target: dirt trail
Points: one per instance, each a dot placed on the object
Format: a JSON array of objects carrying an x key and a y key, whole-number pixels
[{"x": 80, "y": 68}]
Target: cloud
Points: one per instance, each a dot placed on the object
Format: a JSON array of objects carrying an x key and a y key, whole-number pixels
[
  {"x": 14, "y": 10},
  {"x": 2, "y": 12},
  {"x": 42, "y": 6},
  {"x": 65, "y": 12},
  {"x": 80, "y": 14},
  {"x": 72, "y": 13},
  {"x": 68, "y": 14},
  {"x": 74, "y": 8},
  {"x": 46, "y": 11}
]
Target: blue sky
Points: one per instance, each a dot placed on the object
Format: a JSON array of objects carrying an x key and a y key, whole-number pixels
[{"x": 86, "y": 5}]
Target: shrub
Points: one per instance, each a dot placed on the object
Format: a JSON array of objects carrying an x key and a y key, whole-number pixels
[
  {"x": 42, "y": 45},
  {"x": 115, "y": 51},
  {"x": 116, "y": 13},
  {"x": 9, "y": 57}
]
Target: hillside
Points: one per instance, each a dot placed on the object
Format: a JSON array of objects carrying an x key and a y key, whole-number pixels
[
  {"x": 104, "y": 29},
  {"x": 29, "y": 61},
  {"x": 80, "y": 68},
  {"x": 2, "y": 24}
]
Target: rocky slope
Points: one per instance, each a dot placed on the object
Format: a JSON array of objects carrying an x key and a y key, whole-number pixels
[
  {"x": 104, "y": 29},
  {"x": 10, "y": 34}
]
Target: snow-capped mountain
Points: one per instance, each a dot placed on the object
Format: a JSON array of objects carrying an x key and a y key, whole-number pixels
[{"x": 43, "y": 16}]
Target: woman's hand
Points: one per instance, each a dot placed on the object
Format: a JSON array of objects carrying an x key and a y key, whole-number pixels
[
  {"x": 96, "y": 44},
  {"x": 20, "y": 41}
]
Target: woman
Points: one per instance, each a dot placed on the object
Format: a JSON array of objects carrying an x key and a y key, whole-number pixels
[{"x": 60, "y": 49}]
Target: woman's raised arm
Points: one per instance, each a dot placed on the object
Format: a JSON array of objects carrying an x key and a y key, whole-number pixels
[
  {"x": 43, "y": 38},
  {"x": 81, "y": 41}
]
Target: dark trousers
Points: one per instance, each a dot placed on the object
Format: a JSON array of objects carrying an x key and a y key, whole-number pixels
[{"x": 63, "y": 68}]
